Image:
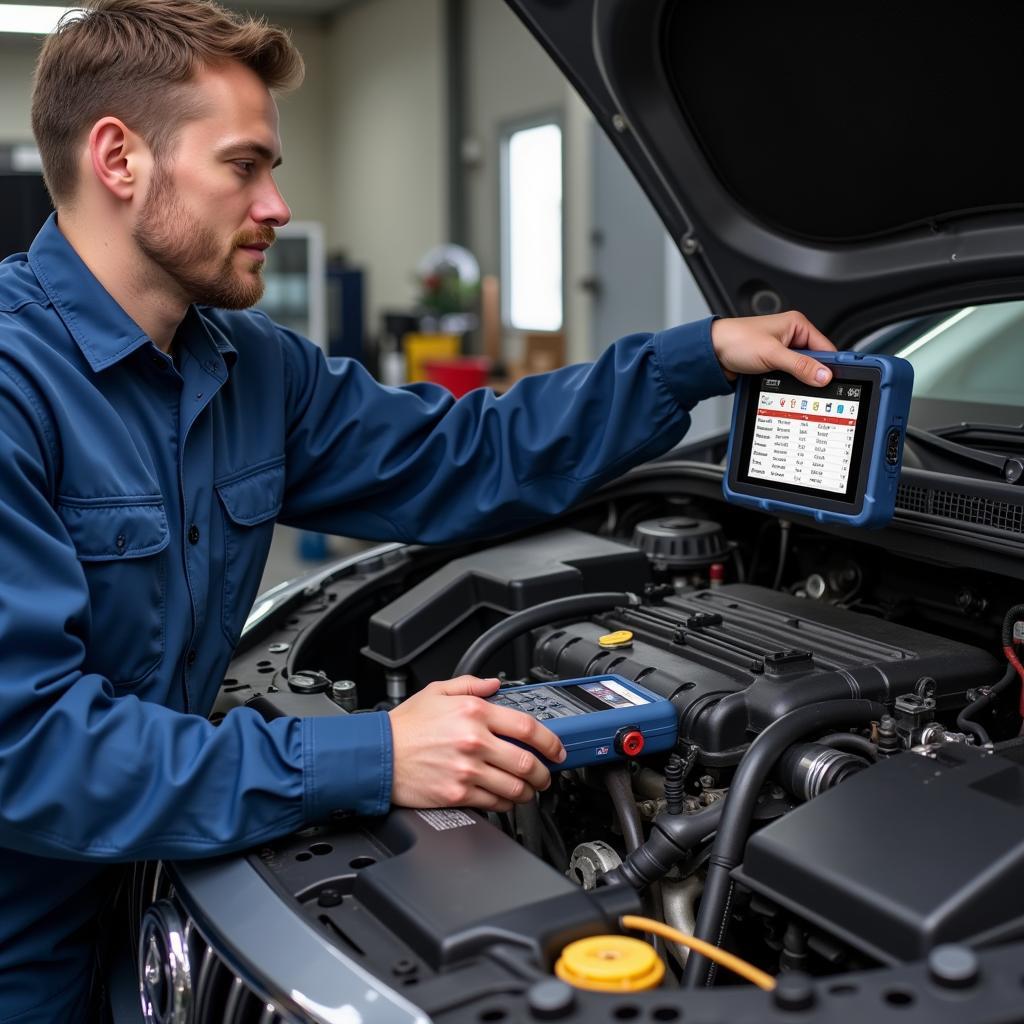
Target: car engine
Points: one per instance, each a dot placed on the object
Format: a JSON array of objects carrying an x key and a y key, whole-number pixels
[{"x": 841, "y": 720}]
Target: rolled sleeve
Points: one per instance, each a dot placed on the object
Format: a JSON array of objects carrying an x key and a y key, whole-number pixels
[
  {"x": 348, "y": 764},
  {"x": 688, "y": 364}
]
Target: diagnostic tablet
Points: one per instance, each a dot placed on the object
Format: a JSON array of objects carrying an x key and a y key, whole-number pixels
[{"x": 833, "y": 452}]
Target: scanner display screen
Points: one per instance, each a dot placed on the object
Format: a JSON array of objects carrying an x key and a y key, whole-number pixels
[{"x": 806, "y": 439}]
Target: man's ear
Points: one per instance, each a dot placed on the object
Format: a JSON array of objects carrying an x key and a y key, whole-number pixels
[{"x": 119, "y": 158}]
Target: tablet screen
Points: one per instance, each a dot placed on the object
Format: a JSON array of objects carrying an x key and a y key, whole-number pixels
[{"x": 803, "y": 438}]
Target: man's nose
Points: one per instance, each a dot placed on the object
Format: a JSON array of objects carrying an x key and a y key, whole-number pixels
[{"x": 271, "y": 209}]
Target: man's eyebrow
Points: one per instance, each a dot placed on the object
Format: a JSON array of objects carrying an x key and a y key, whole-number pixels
[{"x": 251, "y": 146}]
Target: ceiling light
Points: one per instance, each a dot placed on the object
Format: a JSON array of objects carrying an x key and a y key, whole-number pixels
[{"x": 36, "y": 19}]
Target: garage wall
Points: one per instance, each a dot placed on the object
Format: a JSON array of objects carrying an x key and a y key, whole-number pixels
[
  {"x": 508, "y": 78},
  {"x": 385, "y": 120},
  {"x": 304, "y": 176},
  {"x": 17, "y": 59}
]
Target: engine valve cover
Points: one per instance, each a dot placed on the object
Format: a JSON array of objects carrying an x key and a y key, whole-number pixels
[{"x": 735, "y": 658}]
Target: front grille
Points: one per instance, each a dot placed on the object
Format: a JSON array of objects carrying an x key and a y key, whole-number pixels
[
  {"x": 218, "y": 995},
  {"x": 1005, "y": 516},
  {"x": 221, "y": 997}
]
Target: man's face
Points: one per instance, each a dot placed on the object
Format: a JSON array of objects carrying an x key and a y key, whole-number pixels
[{"x": 212, "y": 204}]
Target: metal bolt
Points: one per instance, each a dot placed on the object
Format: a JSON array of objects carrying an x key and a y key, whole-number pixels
[
  {"x": 707, "y": 781},
  {"x": 343, "y": 693},
  {"x": 278, "y": 648},
  {"x": 619, "y": 122},
  {"x": 690, "y": 246},
  {"x": 396, "y": 686},
  {"x": 329, "y": 898}
]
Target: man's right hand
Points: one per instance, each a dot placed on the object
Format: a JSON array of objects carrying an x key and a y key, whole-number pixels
[{"x": 448, "y": 750}]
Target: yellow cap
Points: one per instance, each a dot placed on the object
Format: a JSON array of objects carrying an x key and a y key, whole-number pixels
[
  {"x": 610, "y": 963},
  {"x": 619, "y": 638}
]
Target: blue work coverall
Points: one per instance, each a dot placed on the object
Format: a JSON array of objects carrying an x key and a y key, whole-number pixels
[{"x": 137, "y": 500}]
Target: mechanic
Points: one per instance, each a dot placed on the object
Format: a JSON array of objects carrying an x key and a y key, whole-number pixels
[{"x": 153, "y": 430}]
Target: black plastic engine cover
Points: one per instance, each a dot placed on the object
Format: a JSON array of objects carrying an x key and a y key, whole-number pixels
[
  {"x": 736, "y": 658},
  {"x": 439, "y": 886},
  {"x": 427, "y": 629},
  {"x": 458, "y": 885},
  {"x": 913, "y": 852}
]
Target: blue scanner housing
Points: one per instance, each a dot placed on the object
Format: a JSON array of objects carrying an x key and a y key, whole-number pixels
[
  {"x": 803, "y": 471},
  {"x": 599, "y": 719}
]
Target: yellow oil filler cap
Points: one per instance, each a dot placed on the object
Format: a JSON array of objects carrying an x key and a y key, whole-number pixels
[
  {"x": 610, "y": 963},
  {"x": 620, "y": 638}
]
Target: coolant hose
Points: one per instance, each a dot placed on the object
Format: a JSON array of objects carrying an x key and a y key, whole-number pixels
[
  {"x": 738, "y": 811},
  {"x": 672, "y": 838},
  {"x": 965, "y": 720},
  {"x": 620, "y": 790},
  {"x": 578, "y": 605},
  {"x": 851, "y": 743},
  {"x": 1014, "y": 615}
]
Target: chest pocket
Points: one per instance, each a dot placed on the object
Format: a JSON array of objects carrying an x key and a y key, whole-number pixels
[
  {"x": 251, "y": 502},
  {"x": 120, "y": 544}
]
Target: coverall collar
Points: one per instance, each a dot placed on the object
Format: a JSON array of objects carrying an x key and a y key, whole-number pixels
[{"x": 104, "y": 332}]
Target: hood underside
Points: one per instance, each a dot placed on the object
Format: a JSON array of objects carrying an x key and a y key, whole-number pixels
[{"x": 859, "y": 162}]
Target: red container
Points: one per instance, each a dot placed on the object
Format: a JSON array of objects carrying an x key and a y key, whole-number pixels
[{"x": 459, "y": 375}]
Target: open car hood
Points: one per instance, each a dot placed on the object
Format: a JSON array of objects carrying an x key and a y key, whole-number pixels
[{"x": 860, "y": 163}]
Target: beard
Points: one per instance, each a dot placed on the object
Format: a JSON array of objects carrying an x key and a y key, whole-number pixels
[{"x": 190, "y": 254}]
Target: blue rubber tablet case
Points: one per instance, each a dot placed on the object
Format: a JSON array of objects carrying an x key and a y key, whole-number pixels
[{"x": 831, "y": 453}]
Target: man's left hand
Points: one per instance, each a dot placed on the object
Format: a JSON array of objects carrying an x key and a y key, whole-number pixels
[{"x": 757, "y": 344}]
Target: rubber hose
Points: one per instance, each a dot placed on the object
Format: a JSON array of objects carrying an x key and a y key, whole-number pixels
[
  {"x": 738, "y": 811},
  {"x": 672, "y": 838},
  {"x": 965, "y": 720},
  {"x": 1015, "y": 614},
  {"x": 620, "y": 789},
  {"x": 851, "y": 743},
  {"x": 578, "y": 605},
  {"x": 784, "y": 528},
  {"x": 529, "y": 826}
]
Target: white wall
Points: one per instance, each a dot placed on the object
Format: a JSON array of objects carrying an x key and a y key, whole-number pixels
[
  {"x": 508, "y": 77},
  {"x": 304, "y": 177},
  {"x": 386, "y": 125},
  {"x": 17, "y": 59}
]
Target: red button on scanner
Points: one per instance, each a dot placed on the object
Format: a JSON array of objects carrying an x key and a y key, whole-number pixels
[{"x": 630, "y": 742}]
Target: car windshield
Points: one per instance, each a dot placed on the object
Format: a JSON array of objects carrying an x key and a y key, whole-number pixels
[{"x": 973, "y": 354}]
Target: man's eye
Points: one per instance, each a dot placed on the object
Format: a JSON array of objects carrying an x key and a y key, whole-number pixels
[{"x": 245, "y": 166}]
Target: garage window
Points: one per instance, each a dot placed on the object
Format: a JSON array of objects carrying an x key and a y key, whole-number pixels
[{"x": 531, "y": 223}]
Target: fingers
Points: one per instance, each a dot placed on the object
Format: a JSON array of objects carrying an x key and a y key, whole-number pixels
[
  {"x": 468, "y": 686},
  {"x": 507, "y": 786},
  {"x": 800, "y": 365},
  {"x": 517, "y": 725},
  {"x": 515, "y": 763},
  {"x": 485, "y": 801}
]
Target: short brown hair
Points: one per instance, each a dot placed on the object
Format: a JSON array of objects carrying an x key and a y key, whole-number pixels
[{"x": 130, "y": 59}]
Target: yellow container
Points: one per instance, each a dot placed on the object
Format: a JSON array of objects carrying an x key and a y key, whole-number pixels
[{"x": 423, "y": 348}]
